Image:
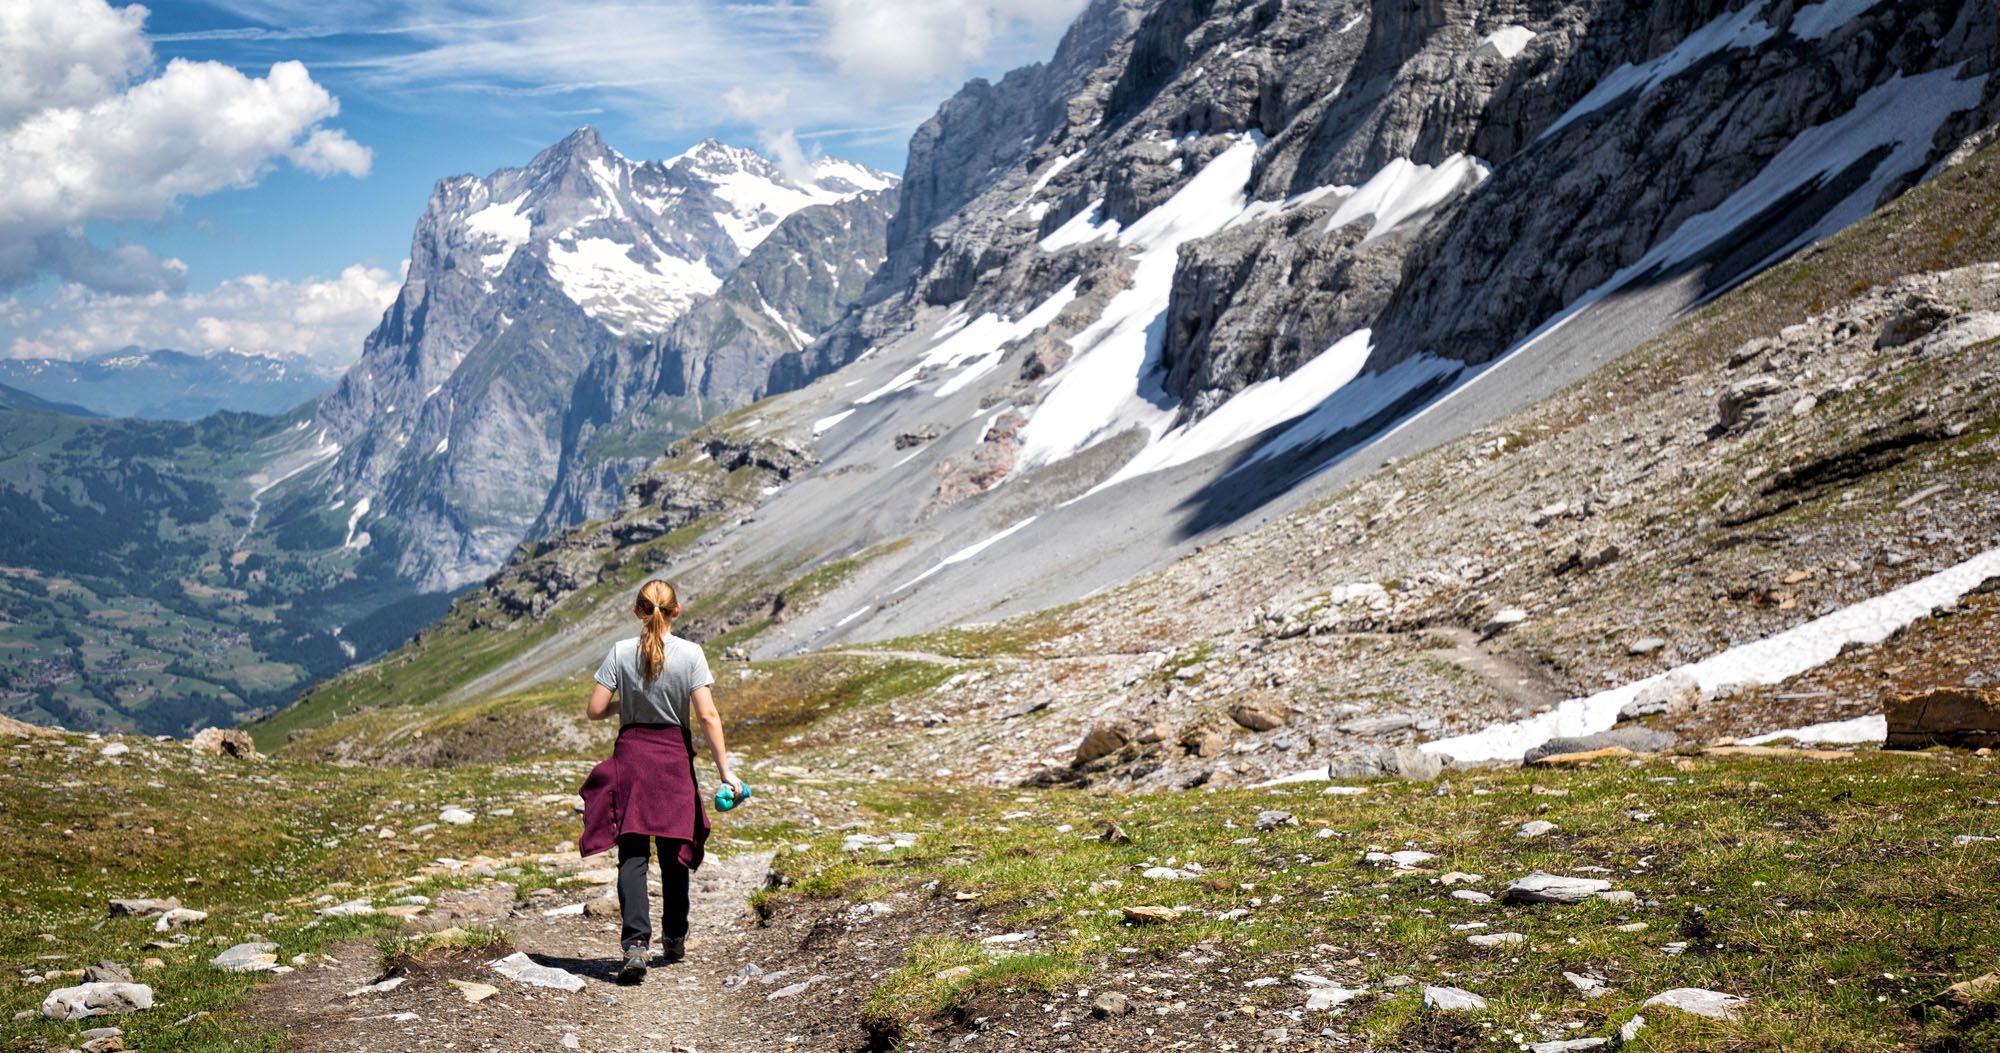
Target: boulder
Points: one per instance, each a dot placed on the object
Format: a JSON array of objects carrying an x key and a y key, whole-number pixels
[
  {"x": 96, "y": 999},
  {"x": 1257, "y": 716},
  {"x": 1635, "y": 738},
  {"x": 223, "y": 742},
  {"x": 1915, "y": 318},
  {"x": 523, "y": 969},
  {"x": 1961, "y": 717},
  {"x": 1673, "y": 694},
  {"x": 1452, "y": 999},
  {"x": 1715, "y": 1005},
  {"x": 247, "y": 958},
  {"x": 1551, "y": 888},
  {"x": 179, "y": 917},
  {"x": 1110, "y": 1004},
  {"x": 1204, "y": 740},
  {"x": 1103, "y": 740},
  {"x": 1736, "y": 403},
  {"x": 1150, "y": 915},
  {"x": 1274, "y": 818}
]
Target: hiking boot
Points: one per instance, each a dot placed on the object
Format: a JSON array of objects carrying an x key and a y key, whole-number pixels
[
  {"x": 635, "y": 966},
  {"x": 672, "y": 951}
]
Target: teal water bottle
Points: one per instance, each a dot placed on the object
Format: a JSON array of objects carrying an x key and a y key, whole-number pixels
[{"x": 725, "y": 798}]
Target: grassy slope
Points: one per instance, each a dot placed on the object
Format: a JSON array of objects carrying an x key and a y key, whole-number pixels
[
  {"x": 237, "y": 839},
  {"x": 1832, "y": 894}
]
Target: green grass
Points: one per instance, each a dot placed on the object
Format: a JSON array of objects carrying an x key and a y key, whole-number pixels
[
  {"x": 258, "y": 845},
  {"x": 1830, "y": 894}
]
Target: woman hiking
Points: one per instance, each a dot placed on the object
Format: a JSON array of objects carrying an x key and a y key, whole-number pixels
[{"x": 646, "y": 793}]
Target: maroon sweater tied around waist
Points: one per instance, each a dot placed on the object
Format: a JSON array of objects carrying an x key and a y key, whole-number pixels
[{"x": 647, "y": 787}]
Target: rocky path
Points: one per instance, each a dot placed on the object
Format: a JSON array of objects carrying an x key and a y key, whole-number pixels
[{"x": 458, "y": 1000}]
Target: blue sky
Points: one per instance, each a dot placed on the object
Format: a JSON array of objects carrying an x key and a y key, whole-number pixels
[{"x": 289, "y": 235}]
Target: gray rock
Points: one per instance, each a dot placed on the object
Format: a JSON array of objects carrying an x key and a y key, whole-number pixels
[
  {"x": 1675, "y": 693},
  {"x": 1257, "y": 716},
  {"x": 1742, "y": 397},
  {"x": 1630, "y": 1031},
  {"x": 1700, "y": 1001},
  {"x": 247, "y": 958},
  {"x": 1568, "y": 1045},
  {"x": 1551, "y": 888},
  {"x": 1110, "y": 1004},
  {"x": 1452, "y": 999},
  {"x": 1646, "y": 645},
  {"x": 1495, "y": 939},
  {"x": 1471, "y": 895},
  {"x": 1535, "y": 828},
  {"x": 1637, "y": 738},
  {"x": 1592, "y": 987},
  {"x": 179, "y": 917},
  {"x": 1916, "y": 317},
  {"x": 1320, "y": 999},
  {"x": 1271, "y": 820},
  {"x": 96, "y": 999},
  {"x": 523, "y": 969}
]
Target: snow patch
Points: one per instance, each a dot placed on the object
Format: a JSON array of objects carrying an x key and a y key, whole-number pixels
[
  {"x": 505, "y": 227},
  {"x": 967, "y": 552},
  {"x": 824, "y": 423},
  {"x": 1871, "y": 728},
  {"x": 601, "y": 276},
  {"x": 1771, "y": 660},
  {"x": 1742, "y": 28},
  {"x": 1508, "y": 41},
  {"x": 1402, "y": 191},
  {"x": 1113, "y": 380},
  {"x": 1254, "y": 410},
  {"x": 1082, "y": 228},
  {"x": 354, "y": 541},
  {"x": 858, "y": 613}
]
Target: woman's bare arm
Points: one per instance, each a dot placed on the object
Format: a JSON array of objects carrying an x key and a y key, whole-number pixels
[
  {"x": 599, "y": 707},
  {"x": 711, "y": 729}
]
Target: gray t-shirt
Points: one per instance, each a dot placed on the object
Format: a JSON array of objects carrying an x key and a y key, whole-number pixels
[{"x": 666, "y": 698}]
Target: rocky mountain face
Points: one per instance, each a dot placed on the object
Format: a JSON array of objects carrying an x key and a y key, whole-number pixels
[
  {"x": 724, "y": 352},
  {"x": 1218, "y": 259},
  {"x": 167, "y": 385},
  {"x": 451, "y": 428}
]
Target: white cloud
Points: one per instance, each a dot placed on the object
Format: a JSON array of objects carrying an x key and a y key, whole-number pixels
[
  {"x": 66, "y": 54},
  {"x": 321, "y": 321},
  {"x": 86, "y": 136},
  {"x": 751, "y": 105},
  {"x": 328, "y": 151},
  {"x": 893, "y": 44}
]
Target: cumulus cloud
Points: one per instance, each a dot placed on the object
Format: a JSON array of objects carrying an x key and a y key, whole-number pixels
[
  {"x": 895, "y": 44},
  {"x": 87, "y": 136},
  {"x": 321, "y": 321}
]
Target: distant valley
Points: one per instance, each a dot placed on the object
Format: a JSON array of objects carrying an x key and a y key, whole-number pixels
[{"x": 168, "y": 385}]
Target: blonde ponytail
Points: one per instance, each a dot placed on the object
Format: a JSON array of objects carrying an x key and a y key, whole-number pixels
[{"x": 657, "y": 606}]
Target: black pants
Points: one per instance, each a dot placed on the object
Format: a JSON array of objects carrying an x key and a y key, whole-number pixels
[{"x": 634, "y": 851}]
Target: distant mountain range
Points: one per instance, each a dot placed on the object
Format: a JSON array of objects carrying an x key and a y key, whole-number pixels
[{"x": 167, "y": 385}]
